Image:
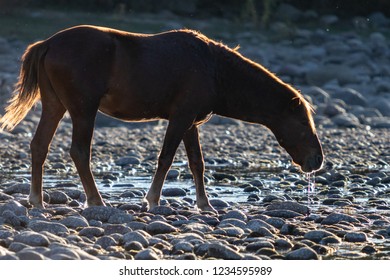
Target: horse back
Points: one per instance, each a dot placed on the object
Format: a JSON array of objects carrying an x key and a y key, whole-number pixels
[{"x": 133, "y": 76}]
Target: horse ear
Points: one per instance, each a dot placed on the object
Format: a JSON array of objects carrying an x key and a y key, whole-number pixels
[{"x": 294, "y": 103}]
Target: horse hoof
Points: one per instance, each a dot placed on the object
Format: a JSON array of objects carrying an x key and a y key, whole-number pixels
[
  {"x": 207, "y": 208},
  {"x": 95, "y": 203},
  {"x": 36, "y": 203}
]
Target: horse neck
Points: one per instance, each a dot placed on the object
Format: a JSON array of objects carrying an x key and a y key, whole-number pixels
[{"x": 246, "y": 90}]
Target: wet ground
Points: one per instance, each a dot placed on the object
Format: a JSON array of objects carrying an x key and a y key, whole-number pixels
[{"x": 266, "y": 208}]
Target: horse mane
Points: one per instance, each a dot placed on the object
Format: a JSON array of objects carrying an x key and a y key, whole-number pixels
[{"x": 234, "y": 56}]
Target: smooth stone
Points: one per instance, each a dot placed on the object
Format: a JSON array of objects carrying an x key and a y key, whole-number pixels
[
  {"x": 74, "y": 222},
  {"x": 106, "y": 241},
  {"x": 232, "y": 222},
  {"x": 229, "y": 231},
  {"x": 133, "y": 246},
  {"x": 32, "y": 238},
  {"x": 11, "y": 219},
  {"x": 183, "y": 246},
  {"x": 289, "y": 205},
  {"x": 223, "y": 176},
  {"x": 120, "y": 218},
  {"x": 5, "y": 197},
  {"x": 115, "y": 228},
  {"x": 174, "y": 192},
  {"x": 147, "y": 254},
  {"x": 335, "y": 218},
  {"x": 220, "y": 251},
  {"x": 235, "y": 214},
  {"x": 22, "y": 188},
  {"x": 29, "y": 254},
  {"x": 304, "y": 253},
  {"x": 257, "y": 224},
  {"x": 159, "y": 227},
  {"x": 255, "y": 246},
  {"x": 100, "y": 213},
  {"x": 139, "y": 236},
  {"x": 127, "y": 160},
  {"x": 173, "y": 174},
  {"x": 355, "y": 237},
  {"x": 318, "y": 235},
  {"x": 15, "y": 207},
  {"x": 59, "y": 197},
  {"x": 162, "y": 210},
  {"x": 52, "y": 227},
  {"x": 282, "y": 214},
  {"x": 218, "y": 203},
  {"x": 91, "y": 231}
]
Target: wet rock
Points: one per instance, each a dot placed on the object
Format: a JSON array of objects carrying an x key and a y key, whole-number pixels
[
  {"x": 133, "y": 246},
  {"x": 127, "y": 160},
  {"x": 335, "y": 218},
  {"x": 230, "y": 231},
  {"x": 15, "y": 207},
  {"x": 369, "y": 249},
  {"x": 355, "y": 237},
  {"x": 4, "y": 197},
  {"x": 32, "y": 238},
  {"x": 255, "y": 246},
  {"x": 11, "y": 219},
  {"x": 106, "y": 241},
  {"x": 58, "y": 197},
  {"x": 303, "y": 253},
  {"x": 235, "y": 214},
  {"x": 139, "y": 236},
  {"x": 100, "y": 213},
  {"x": 223, "y": 176},
  {"x": 120, "y": 218},
  {"x": 29, "y": 254},
  {"x": 256, "y": 225},
  {"x": 174, "y": 192},
  {"x": 159, "y": 227},
  {"x": 147, "y": 254},
  {"x": 289, "y": 205},
  {"x": 318, "y": 235},
  {"x": 220, "y": 251},
  {"x": 162, "y": 210},
  {"x": 350, "y": 97},
  {"x": 282, "y": 214},
  {"x": 75, "y": 222},
  {"x": 218, "y": 203},
  {"x": 116, "y": 228},
  {"x": 91, "y": 231},
  {"x": 183, "y": 246},
  {"x": 50, "y": 226},
  {"x": 22, "y": 188},
  {"x": 346, "y": 120},
  {"x": 173, "y": 174}
]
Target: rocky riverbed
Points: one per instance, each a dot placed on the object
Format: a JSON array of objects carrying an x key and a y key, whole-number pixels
[{"x": 266, "y": 208}]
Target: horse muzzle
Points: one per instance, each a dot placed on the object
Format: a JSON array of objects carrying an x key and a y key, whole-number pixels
[{"x": 312, "y": 163}]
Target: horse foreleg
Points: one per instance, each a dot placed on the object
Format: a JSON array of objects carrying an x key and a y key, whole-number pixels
[
  {"x": 173, "y": 137},
  {"x": 80, "y": 152},
  {"x": 196, "y": 163},
  {"x": 52, "y": 113}
]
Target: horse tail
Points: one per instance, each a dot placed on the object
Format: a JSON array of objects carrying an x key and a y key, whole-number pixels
[{"x": 26, "y": 92}]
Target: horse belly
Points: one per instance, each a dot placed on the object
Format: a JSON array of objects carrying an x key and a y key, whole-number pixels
[{"x": 129, "y": 108}]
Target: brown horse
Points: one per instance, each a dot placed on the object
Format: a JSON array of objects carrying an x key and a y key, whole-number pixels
[{"x": 181, "y": 76}]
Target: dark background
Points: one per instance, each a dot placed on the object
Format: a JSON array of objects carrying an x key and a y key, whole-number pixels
[{"x": 204, "y": 8}]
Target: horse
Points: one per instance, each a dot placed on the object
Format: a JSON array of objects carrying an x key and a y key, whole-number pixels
[{"x": 180, "y": 75}]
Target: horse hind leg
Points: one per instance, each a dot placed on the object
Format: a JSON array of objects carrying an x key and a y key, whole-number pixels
[{"x": 52, "y": 113}]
